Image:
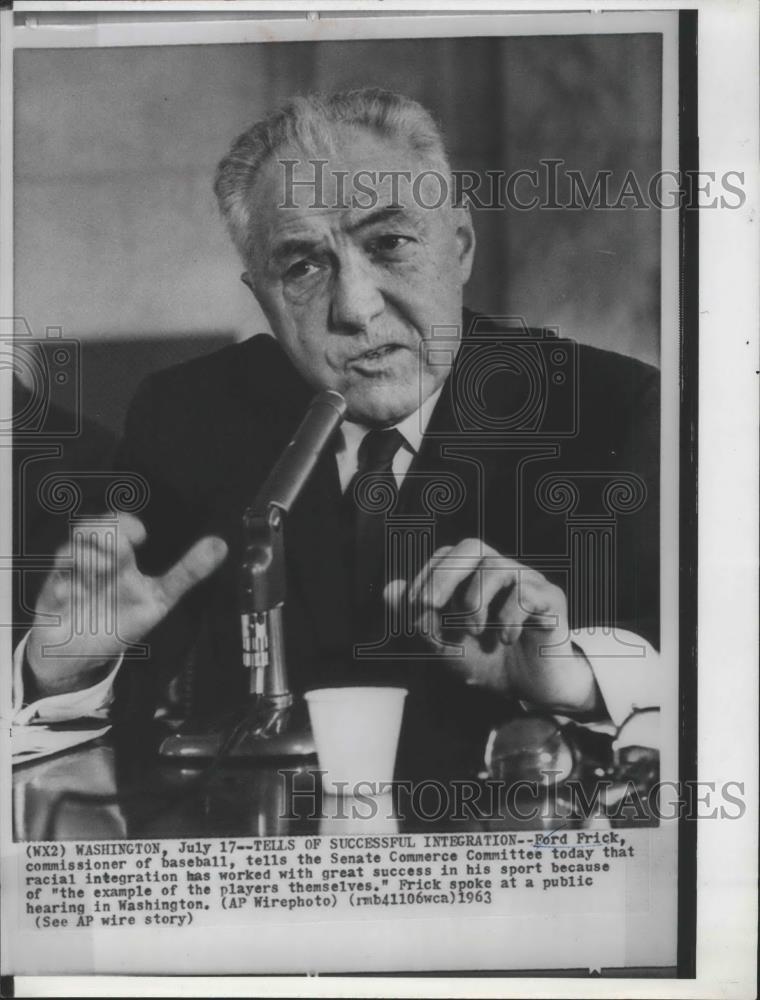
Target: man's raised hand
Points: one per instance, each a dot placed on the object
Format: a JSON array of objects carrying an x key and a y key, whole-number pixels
[{"x": 96, "y": 601}]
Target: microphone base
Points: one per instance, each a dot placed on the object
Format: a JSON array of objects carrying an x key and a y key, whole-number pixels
[{"x": 272, "y": 730}]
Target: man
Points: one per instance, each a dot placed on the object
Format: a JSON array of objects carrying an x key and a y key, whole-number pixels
[{"x": 359, "y": 266}]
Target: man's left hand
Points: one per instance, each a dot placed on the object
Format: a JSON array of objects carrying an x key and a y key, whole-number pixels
[{"x": 500, "y": 625}]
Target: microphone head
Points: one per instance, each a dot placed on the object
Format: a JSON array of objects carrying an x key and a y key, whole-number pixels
[
  {"x": 296, "y": 462},
  {"x": 334, "y": 399}
]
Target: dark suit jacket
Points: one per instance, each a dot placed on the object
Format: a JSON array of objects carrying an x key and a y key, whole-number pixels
[{"x": 546, "y": 450}]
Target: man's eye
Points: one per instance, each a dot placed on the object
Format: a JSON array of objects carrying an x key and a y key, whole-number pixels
[
  {"x": 389, "y": 243},
  {"x": 301, "y": 269}
]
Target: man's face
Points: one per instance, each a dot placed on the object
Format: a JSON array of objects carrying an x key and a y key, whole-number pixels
[{"x": 351, "y": 292}]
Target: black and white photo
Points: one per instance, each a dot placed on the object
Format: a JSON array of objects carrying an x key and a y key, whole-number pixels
[{"x": 353, "y": 545}]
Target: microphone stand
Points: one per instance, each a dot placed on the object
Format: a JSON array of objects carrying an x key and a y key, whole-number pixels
[
  {"x": 267, "y": 728},
  {"x": 262, "y": 603}
]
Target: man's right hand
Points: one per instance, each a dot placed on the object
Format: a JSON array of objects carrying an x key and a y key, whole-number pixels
[{"x": 96, "y": 602}]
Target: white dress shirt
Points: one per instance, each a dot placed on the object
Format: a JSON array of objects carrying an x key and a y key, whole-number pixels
[
  {"x": 625, "y": 665},
  {"x": 412, "y": 429}
]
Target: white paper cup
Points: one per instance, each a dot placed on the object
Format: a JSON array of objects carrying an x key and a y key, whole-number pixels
[
  {"x": 356, "y": 732},
  {"x": 345, "y": 814}
]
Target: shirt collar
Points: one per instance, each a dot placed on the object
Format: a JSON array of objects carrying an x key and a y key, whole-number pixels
[{"x": 411, "y": 428}]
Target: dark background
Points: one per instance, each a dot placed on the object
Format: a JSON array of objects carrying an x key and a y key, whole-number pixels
[{"x": 118, "y": 240}]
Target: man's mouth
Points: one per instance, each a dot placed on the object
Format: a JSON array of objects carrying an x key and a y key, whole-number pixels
[
  {"x": 374, "y": 359},
  {"x": 379, "y": 352}
]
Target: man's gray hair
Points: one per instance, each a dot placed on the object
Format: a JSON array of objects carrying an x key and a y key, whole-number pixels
[{"x": 310, "y": 123}]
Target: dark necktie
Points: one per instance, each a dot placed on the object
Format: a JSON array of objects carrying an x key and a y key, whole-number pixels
[{"x": 371, "y": 496}]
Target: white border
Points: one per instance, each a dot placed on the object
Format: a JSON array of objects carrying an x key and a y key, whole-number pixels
[
  {"x": 38, "y": 33},
  {"x": 728, "y": 496},
  {"x": 729, "y": 261}
]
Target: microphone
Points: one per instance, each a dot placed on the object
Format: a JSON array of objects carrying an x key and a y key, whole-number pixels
[
  {"x": 263, "y": 568},
  {"x": 295, "y": 464},
  {"x": 267, "y": 728}
]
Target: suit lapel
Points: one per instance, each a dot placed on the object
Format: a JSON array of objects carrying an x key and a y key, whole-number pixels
[
  {"x": 439, "y": 474},
  {"x": 314, "y": 539}
]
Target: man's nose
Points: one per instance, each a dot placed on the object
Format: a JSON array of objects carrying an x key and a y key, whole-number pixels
[{"x": 356, "y": 299}]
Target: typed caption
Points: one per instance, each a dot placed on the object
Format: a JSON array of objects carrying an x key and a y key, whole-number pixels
[{"x": 183, "y": 883}]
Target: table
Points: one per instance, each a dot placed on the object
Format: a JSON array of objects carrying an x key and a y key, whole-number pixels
[{"x": 115, "y": 788}]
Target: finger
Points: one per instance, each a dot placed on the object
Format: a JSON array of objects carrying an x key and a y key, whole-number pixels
[
  {"x": 128, "y": 526},
  {"x": 97, "y": 552},
  {"x": 394, "y": 592},
  {"x": 87, "y": 535},
  {"x": 452, "y": 571},
  {"x": 198, "y": 562},
  {"x": 132, "y": 530},
  {"x": 481, "y": 592},
  {"x": 428, "y": 626},
  {"x": 512, "y": 616},
  {"x": 131, "y": 535},
  {"x": 424, "y": 573},
  {"x": 108, "y": 539},
  {"x": 533, "y": 599}
]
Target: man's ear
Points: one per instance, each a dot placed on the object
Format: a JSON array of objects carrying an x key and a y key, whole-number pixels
[{"x": 465, "y": 236}]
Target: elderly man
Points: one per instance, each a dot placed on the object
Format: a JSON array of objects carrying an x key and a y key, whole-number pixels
[{"x": 359, "y": 264}]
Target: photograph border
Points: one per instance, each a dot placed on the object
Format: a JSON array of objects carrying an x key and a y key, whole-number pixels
[
  {"x": 690, "y": 413},
  {"x": 688, "y": 676}
]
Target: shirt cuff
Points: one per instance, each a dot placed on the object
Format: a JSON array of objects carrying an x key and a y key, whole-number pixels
[
  {"x": 91, "y": 703},
  {"x": 626, "y": 669}
]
